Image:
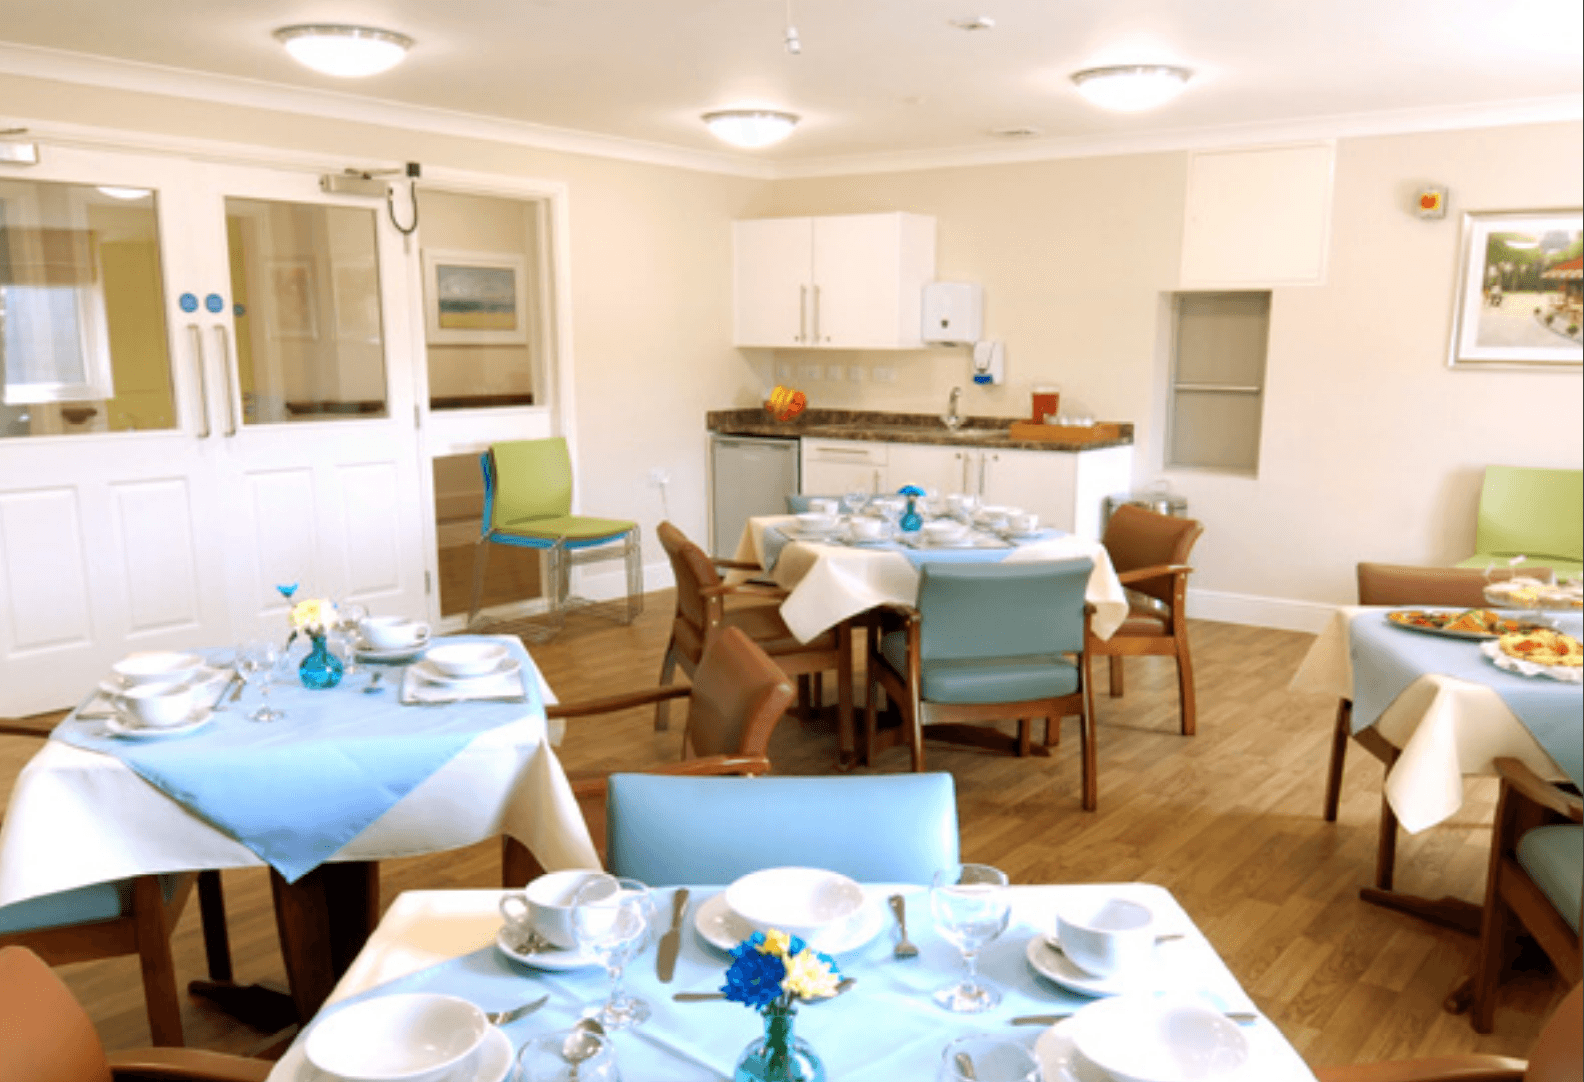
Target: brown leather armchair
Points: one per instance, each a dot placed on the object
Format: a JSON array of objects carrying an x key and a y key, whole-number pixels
[
  {"x": 1149, "y": 552},
  {"x": 45, "y": 1036}
]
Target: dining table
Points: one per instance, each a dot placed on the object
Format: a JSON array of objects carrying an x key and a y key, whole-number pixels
[
  {"x": 346, "y": 777},
  {"x": 1445, "y": 711},
  {"x": 885, "y": 1028}
]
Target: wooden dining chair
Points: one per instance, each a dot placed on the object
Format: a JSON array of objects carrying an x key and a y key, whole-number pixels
[
  {"x": 46, "y": 1036},
  {"x": 705, "y": 604},
  {"x": 1393, "y": 584},
  {"x": 1535, "y": 882},
  {"x": 1557, "y": 1056},
  {"x": 1149, "y": 552},
  {"x": 988, "y": 642}
]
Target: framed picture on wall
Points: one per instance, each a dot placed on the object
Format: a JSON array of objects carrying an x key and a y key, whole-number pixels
[
  {"x": 293, "y": 310},
  {"x": 1519, "y": 298},
  {"x": 475, "y": 298}
]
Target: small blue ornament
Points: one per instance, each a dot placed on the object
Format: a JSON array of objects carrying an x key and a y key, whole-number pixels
[{"x": 188, "y": 302}]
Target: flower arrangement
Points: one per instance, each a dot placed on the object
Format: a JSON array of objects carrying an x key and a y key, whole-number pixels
[
  {"x": 773, "y": 972},
  {"x": 316, "y": 617},
  {"x": 313, "y": 617}
]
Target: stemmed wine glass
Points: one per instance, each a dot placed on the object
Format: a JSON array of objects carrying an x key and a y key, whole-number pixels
[
  {"x": 349, "y": 616},
  {"x": 611, "y": 919},
  {"x": 855, "y": 501},
  {"x": 259, "y": 656},
  {"x": 971, "y": 908},
  {"x": 981, "y": 1057}
]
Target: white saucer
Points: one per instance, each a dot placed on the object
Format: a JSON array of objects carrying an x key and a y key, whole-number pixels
[
  {"x": 1059, "y": 1060},
  {"x": 719, "y": 926},
  {"x": 491, "y": 1063},
  {"x": 1055, "y": 966},
  {"x": 367, "y": 652},
  {"x": 822, "y": 535},
  {"x": 1012, "y": 536},
  {"x": 551, "y": 959},
  {"x": 430, "y": 672},
  {"x": 195, "y": 721}
]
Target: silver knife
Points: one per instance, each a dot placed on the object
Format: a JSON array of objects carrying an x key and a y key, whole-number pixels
[{"x": 671, "y": 942}]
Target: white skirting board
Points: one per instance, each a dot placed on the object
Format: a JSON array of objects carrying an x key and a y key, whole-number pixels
[{"x": 1256, "y": 611}]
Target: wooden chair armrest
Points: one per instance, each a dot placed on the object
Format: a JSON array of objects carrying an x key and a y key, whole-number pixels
[
  {"x": 706, "y": 765},
  {"x": 1155, "y": 572},
  {"x": 19, "y": 728},
  {"x": 613, "y": 703},
  {"x": 1469, "y": 1068},
  {"x": 185, "y": 1065},
  {"x": 1543, "y": 793}
]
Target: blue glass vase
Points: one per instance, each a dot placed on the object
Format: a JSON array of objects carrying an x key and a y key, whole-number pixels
[
  {"x": 780, "y": 1055},
  {"x": 320, "y": 669},
  {"x": 912, "y": 521}
]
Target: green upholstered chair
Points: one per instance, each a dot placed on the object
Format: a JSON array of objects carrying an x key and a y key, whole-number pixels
[
  {"x": 989, "y": 642},
  {"x": 528, "y": 503},
  {"x": 1534, "y": 513}
]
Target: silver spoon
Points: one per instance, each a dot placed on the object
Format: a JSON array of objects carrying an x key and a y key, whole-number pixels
[
  {"x": 580, "y": 1043},
  {"x": 373, "y": 685},
  {"x": 965, "y": 1067}
]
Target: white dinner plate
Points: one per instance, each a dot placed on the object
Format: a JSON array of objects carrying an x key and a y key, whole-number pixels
[
  {"x": 1058, "y": 1057},
  {"x": 430, "y": 672},
  {"x": 1055, "y": 966},
  {"x": 195, "y": 721},
  {"x": 491, "y": 1063},
  {"x": 723, "y": 929},
  {"x": 555, "y": 959}
]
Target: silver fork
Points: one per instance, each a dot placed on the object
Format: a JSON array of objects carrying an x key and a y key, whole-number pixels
[
  {"x": 501, "y": 1018},
  {"x": 904, "y": 948}
]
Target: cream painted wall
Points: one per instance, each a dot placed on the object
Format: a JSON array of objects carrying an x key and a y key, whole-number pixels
[{"x": 1372, "y": 449}]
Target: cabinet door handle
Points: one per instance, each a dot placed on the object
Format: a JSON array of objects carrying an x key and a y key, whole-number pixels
[
  {"x": 196, "y": 332},
  {"x": 802, "y": 334},
  {"x": 842, "y": 451},
  {"x": 230, "y": 379},
  {"x": 876, "y": 488},
  {"x": 817, "y": 328},
  {"x": 982, "y": 459},
  {"x": 964, "y": 456}
]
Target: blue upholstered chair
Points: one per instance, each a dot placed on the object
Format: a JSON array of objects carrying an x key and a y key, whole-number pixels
[
  {"x": 1534, "y": 513},
  {"x": 528, "y": 504},
  {"x": 1536, "y": 881},
  {"x": 989, "y": 642},
  {"x": 896, "y": 828}
]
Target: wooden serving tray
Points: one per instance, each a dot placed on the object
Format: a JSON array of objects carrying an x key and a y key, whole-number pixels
[{"x": 1095, "y": 433}]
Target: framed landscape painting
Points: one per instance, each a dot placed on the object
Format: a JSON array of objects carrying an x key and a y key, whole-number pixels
[
  {"x": 1519, "y": 296},
  {"x": 475, "y": 299}
]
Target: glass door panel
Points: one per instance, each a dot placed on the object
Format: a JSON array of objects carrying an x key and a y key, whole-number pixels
[
  {"x": 305, "y": 295},
  {"x": 83, "y": 338}
]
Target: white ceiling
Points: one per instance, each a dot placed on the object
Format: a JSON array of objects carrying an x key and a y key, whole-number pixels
[{"x": 875, "y": 78}]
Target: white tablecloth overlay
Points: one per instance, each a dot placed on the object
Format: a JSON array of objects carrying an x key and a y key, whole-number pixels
[
  {"x": 424, "y": 928},
  {"x": 78, "y": 817},
  {"x": 1445, "y": 727},
  {"x": 829, "y": 583}
]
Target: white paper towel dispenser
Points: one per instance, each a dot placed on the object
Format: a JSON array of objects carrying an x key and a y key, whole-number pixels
[{"x": 953, "y": 312}]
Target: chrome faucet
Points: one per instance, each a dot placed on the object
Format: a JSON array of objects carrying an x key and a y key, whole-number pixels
[{"x": 951, "y": 418}]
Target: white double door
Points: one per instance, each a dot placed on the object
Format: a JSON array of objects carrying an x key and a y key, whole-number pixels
[{"x": 286, "y": 449}]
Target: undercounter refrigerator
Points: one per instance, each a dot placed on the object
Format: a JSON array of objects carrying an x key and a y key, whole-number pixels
[{"x": 749, "y": 475}]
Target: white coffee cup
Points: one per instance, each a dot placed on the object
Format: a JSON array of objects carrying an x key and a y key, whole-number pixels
[
  {"x": 869, "y": 529},
  {"x": 545, "y": 906},
  {"x": 393, "y": 632},
  {"x": 156, "y": 706},
  {"x": 1027, "y": 522},
  {"x": 1107, "y": 937}
]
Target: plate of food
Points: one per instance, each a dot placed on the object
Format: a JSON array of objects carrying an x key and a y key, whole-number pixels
[
  {"x": 1540, "y": 652},
  {"x": 1459, "y": 623}
]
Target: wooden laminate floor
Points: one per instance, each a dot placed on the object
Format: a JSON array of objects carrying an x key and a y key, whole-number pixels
[{"x": 1229, "y": 821}]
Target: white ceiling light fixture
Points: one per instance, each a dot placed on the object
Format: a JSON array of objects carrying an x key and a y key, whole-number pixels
[
  {"x": 750, "y": 128},
  {"x": 1131, "y": 88},
  {"x": 348, "y": 52},
  {"x": 115, "y": 192}
]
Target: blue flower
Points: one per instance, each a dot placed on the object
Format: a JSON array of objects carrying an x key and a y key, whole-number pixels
[
  {"x": 754, "y": 979},
  {"x": 910, "y": 490}
]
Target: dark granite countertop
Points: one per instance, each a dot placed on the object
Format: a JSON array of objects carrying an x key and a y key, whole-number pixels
[{"x": 870, "y": 425}]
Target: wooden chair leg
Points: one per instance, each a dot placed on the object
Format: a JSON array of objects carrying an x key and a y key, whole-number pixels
[
  {"x": 1185, "y": 689},
  {"x": 159, "y": 970},
  {"x": 518, "y": 864},
  {"x": 1116, "y": 675},
  {"x": 844, "y": 695},
  {"x": 805, "y": 696},
  {"x": 217, "y": 942},
  {"x": 668, "y": 667},
  {"x": 1052, "y": 732},
  {"x": 866, "y": 750},
  {"x": 1340, "y": 734},
  {"x": 1025, "y": 725},
  {"x": 1088, "y": 738},
  {"x": 1496, "y": 932},
  {"x": 1386, "y": 850}
]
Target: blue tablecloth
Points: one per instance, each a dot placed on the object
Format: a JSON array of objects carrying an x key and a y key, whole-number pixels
[
  {"x": 886, "y": 1029},
  {"x": 296, "y": 790},
  {"x": 1387, "y": 658},
  {"x": 775, "y": 540}
]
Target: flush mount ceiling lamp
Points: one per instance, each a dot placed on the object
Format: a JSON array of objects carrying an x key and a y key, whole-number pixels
[
  {"x": 1131, "y": 88},
  {"x": 750, "y": 128},
  {"x": 349, "y": 52}
]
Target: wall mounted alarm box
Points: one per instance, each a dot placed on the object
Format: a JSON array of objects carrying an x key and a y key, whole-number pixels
[{"x": 953, "y": 312}]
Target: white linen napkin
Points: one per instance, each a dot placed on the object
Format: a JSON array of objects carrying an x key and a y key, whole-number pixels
[{"x": 418, "y": 691}]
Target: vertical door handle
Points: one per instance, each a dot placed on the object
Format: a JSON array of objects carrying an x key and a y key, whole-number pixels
[
  {"x": 982, "y": 458},
  {"x": 196, "y": 333},
  {"x": 817, "y": 337},
  {"x": 802, "y": 334},
  {"x": 877, "y": 481},
  {"x": 964, "y": 456},
  {"x": 224, "y": 338}
]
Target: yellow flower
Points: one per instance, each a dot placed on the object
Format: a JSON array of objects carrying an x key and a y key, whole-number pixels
[
  {"x": 808, "y": 977},
  {"x": 313, "y": 614},
  {"x": 776, "y": 942}
]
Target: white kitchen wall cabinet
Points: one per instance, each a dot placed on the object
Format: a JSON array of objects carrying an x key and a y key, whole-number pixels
[
  {"x": 929, "y": 466},
  {"x": 1258, "y": 217},
  {"x": 849, "y": 281},
  {"x": 836, "y": 467}
]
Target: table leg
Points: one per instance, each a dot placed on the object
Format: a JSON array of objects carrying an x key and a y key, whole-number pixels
[
  {"x": 324, "y": 919},
  {"x": 1451, "y": 913},
  {"x": 518, "y": 864}
]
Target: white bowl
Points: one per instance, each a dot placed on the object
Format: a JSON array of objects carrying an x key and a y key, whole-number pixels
[
  {"x": 415, "y": 1037},
  {"x": 467, "y": 658},
  {"x": 156, "y": 706},
  {"x": 800, "y": 901},
  {"x": 393, "y": 632},
  {"x": 944, "y": 530},
  {"x": 1159, "y": 1039},
  {"x": 816, "y": 522},
  {"x": 1107, "y": 936},
  {"x": 157, "y": 667}
]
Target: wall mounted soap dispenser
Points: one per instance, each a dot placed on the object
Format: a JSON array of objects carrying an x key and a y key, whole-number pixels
[{"x": 989, "y": 363}]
